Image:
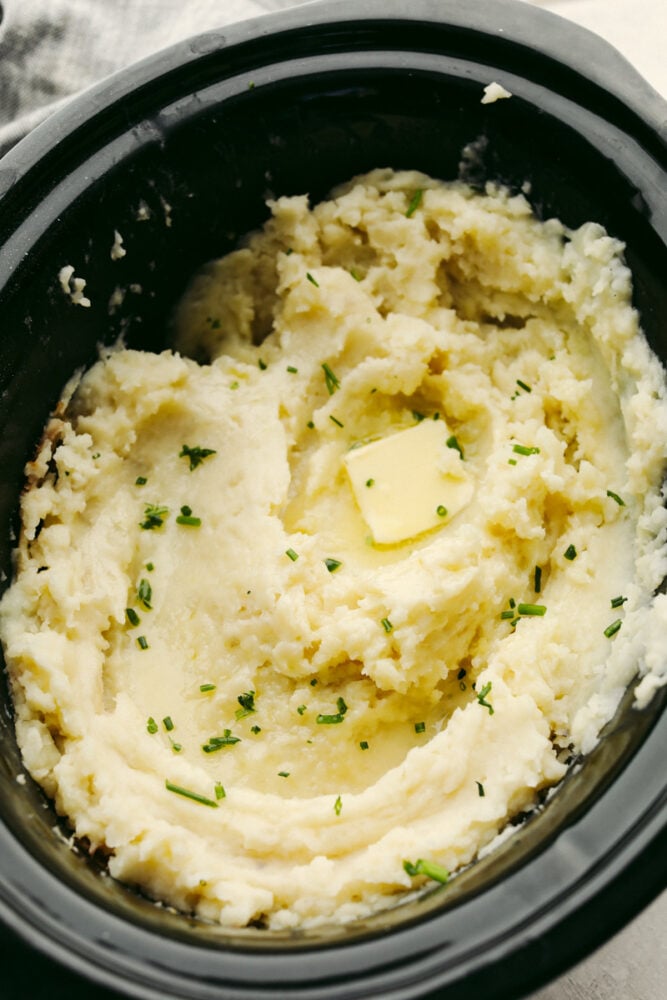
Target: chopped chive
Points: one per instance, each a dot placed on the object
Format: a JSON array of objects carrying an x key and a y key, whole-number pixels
[
  {"x": 283, "y": 774},
  {"x": 386, "y": 624},
  {"x": 96, "y": 455},
  {"x": 453, "y": 443},
  {"x": 335, "y": 420},
  {"x": 332, "y": 564},
  {"x": 167, "y": 723},
  {"x": 370, "y": 482},
  {"x": 535, "y": 610},
  {"x": 313, "y": 682},
  {"x": 332, "y": 720},
  {"x": 506, "y": 615},
  {"x": 218, "y": 742},
  {"x": 481, "y": 697},
  {"x": 186, "y": 793},
  {"x": 415, "y": 202},
  {"x": 615, "y": 496},
  {"x": 364, "y": 745},
  {"x": 255, "y": 729},
  {"x": 142, "y": 642},
  {"x": 195, "y": 455},
  {"x": 133, "y": 617},
  {"x": 338, "y": 805},
  {"x": 151, "y": 725},
  {"x": 220, "y": 792},
  {"x": 480, "y": 789},
  {"x": 441, "y": 511},
  {"x": 145, "y": 594},
  {"x": 511, "y": 461},
  {"x": 570, "y": 553},
  {"x": 150, "y": 567},
  {"x": 356, "y": 274},
  {"x": 301, "y": 709},
  {"x": 311, "y": 279},
  {"x": 262, "y": 365},
  {"x": 618, "y": 602},
  {"x": 247, "y": 703},
  {"x": 140, "y": 481},
  {"x": 176, "y": 747},
  {"x": 522, "y": 449},
  {"x": 613, "y": 628},
  {"x": 154, "y": 515},
  {"x": 332, "y": 380},
  {"x": 428, "y": 868},
  {"x": 291, "y": 554},
  {"x": 512, "y": 602},
  {"x": 292, "y": 370},
  {"x": 186, "y": 517},
  {"x": 206, "y": 687},
  {"x": 522, "y": 385},
  {"x": 418, "y": 416},
  {"x": 310, "y": 425},
  {"x": 420, "y": 727},
  {"x": 538, "y": 579}
]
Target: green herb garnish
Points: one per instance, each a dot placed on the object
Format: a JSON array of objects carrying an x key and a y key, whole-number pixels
[
  {"x": 615, "y": 496},
  {"x": 332, "y": 564},
  {"x": 428, "y": 868},
  {"x": 262, "y": 365},
  {"x": 441, "y": 511},
  {"x": 218, "y": 742},
  {"x": 522, "y": 449},
  {"x": 312, "y": 280},
  {"x": 332, "y": 720},
  {"x": 255, "y": 729},
  {"x": 453, "y": 443},
  {"x": 370, "y": 482},
  {"x": 292, "y": 370},
  {"x": 386, "y": 624},
  {"x": 142, "y": 642},
  {"x": 283, "y": 774},
  {"x": 291, "y": 554},
  {"x": 220, "y": 792},
  {"x": 145, "y": 594},
  {"x": 167, "y": 723},
  {"x": 363, "y": 745},
  {"x": 140, "y": 481},
  {"x": 531, "y": 610},
  {"x": 338, "y": 805},
  {"x": 613, "y": 628},
  {"x": 335, "y": 420},
  {"x": 247, "y": 703},
  {"x": 356, "y": 274},
  {"x": 538, "y": 579},
  {"x": 206, "y": 687},
  {"x": 186, "y": 793},
  {"x": 522, "y": 385},
  {"x": 480, "y": 789},
  {"x": 618, "y": 602},
  {"x": 195, "y": 455},
  {"x": 332, "y": 380},
  {"x": 420, "y": 727},
  {"x": 570, "y": 553},
  {"x": 154, "y": 515},
  {"x": 301, "y": 709},
  {"x": 186, "y": 517},
  {"x": 415, "y": 202},
  {"x": 132, "y": 616},
  {"x": 481, "y": 697},
  {"x": 151, "y": 725}
]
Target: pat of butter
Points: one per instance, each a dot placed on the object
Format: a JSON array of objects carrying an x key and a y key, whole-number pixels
[{"x": 409, "y": 482}]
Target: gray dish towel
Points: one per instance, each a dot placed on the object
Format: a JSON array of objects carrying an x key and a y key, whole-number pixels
[{"x": 51, "y": 49}]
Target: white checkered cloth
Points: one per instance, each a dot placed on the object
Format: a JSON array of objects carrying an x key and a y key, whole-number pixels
[{"x": 51, "y": 49}]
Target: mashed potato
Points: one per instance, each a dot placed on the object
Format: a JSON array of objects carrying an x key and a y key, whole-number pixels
[{"x": 304, "y": 621}]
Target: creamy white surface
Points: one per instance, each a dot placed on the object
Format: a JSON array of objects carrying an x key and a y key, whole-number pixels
[{"x": 452, "y": 309}]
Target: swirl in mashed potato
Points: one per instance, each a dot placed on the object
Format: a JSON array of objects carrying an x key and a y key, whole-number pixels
[{"x": 350, "y": 589}]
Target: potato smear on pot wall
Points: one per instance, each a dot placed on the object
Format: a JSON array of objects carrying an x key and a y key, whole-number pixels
[{"x": 308, "y": 608}]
